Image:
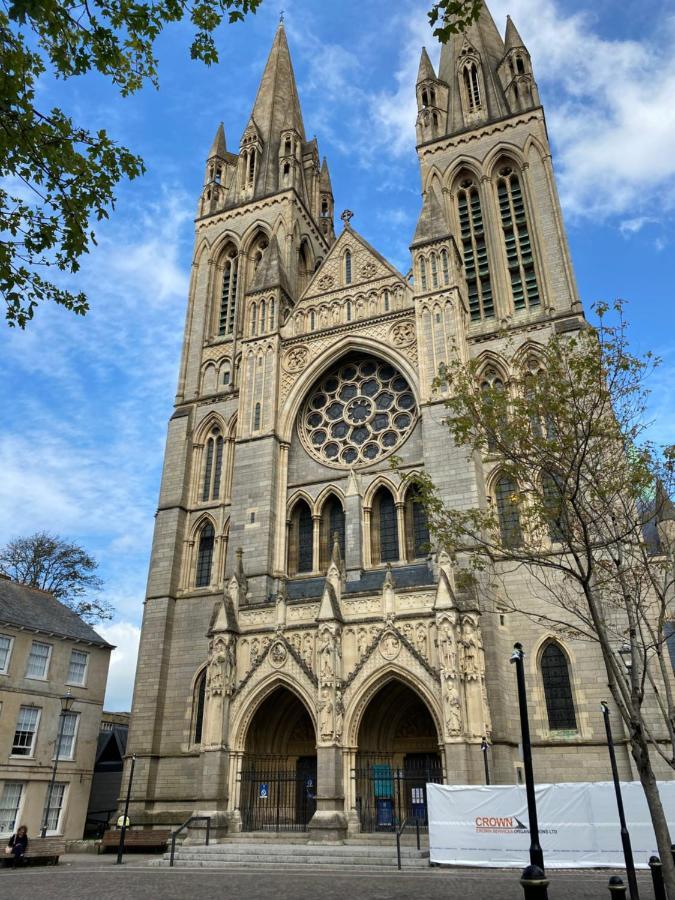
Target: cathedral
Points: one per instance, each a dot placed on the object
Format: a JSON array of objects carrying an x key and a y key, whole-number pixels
[{"x": 309, "y": 661}]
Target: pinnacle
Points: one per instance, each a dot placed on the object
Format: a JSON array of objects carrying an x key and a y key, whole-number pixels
[
  {"x": 218, "y": 147},
  {"x": 512, "y": 38},
  {"x": 426, "y": 70}
]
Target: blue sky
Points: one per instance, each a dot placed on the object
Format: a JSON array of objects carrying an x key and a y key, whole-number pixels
[{"x": 87, "y": 400}]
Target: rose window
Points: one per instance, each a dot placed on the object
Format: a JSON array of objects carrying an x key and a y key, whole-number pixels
[{"x": 359, "y": 412}]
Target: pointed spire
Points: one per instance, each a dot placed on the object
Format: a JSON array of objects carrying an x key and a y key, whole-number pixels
[
  {"x": 218, "y": 147},
  {"x": 665, "y": 509},
  {"x": 432, "y": 224},
  {"x": 325, "y": 177},
  {"x": 276, "y": 110},
  {"x": 512, "y": 39},
  {"x": 426, "y": 70},
  {"x": 483, "y": 37},
  {"x": 271, "y": 272}
]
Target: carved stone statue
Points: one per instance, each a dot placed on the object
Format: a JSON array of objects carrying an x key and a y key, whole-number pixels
[
  {"x": 422, "y": 639},
  {"x": 308, "y": 650},
  {"x": 362, "y": 643},
  {"x": 326, "y": 723},
  {"x": 222, "y": 667},
  {"x": 339, "y": 715},
  {"x": 447, "y": 648},
  {"x": 470, "y": 651},
  {"x": 453, "y": 711}
]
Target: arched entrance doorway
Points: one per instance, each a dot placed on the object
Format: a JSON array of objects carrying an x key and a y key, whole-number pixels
[
  {"x": 397, "y": 757},
  {"x": 278, "y": 775}
]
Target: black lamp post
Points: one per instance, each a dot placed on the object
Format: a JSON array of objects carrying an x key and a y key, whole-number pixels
[
  {"x": 125, "y": 817},
  {"x": 66, "y": 704},
  {"x": 536, "y": 853},
  {"x": 484, "y": 746},
  {"x": 625, "y": 837}
]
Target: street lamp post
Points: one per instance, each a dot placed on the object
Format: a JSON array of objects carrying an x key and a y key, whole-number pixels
[
  {"x": 625, "y": 837},
  {"x": 66, "y": 704},
  {"x": 484, "y": 746},
  {"x": 125, "y": 817},
  {"x": 536, "y": 853}
]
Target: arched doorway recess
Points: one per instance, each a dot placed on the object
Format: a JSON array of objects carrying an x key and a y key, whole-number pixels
[
  {"x": 398, "y": 755},
  {"x": 278, "y": 774}
]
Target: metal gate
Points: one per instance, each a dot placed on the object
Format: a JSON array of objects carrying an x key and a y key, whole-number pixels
[
  {"x": 387, "y": 795},
  {"x": 278, "y": 794}
]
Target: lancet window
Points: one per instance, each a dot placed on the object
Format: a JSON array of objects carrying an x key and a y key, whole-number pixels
[
  {"x": 508, "y": 513},
  {"x": 205, "y": 555},
  {"x": 476, "y": 265},
  {"x": 228, "y": 297},
  {"x": 517, "y": 243},
  {"x": 557, "y": 689},
  {"x": 213, "y": 465},
  {"x": 384, "y": 528}
]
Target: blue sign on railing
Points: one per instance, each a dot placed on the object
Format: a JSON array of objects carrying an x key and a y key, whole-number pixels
[{"x": 264, "y": 791}]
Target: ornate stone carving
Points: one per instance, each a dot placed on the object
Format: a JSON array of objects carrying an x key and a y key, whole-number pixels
[
  {"x": 390, "y": 646},
  {"x": 308, "y": 650},
  {"x": 325, "y": 282},
  {"x": 403, "y": 333},
  {"x": 471, "y": 648},
  {"x": 222, "y": 666},
  {"x": 330, "y": 653},
  {"x": 421, "y": 640},
  {"x": 452, "y": 710},
  {"x": 368, "y": 270},
  {"x": 296, "y": 359},
  {"x": 278, "y": 654},
  {"x": 447, "y": 648}
]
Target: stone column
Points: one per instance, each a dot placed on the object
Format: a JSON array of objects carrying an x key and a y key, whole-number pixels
[
  {"x": 400, "y": 523},
  {"x": 354, "y": 556},
  {"x": 316, "y": 543}
]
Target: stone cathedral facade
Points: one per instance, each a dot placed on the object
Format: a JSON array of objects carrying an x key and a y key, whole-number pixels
[{"x": 308, "y": 660}]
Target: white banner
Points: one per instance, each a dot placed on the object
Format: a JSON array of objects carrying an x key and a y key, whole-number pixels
[{"x": 578, "y": 824}]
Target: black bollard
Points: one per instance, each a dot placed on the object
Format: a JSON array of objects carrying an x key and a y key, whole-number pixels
[
  {"x": 535, "y": 883},
  {"x": 657, "y": 878},
  {"x": 616, "y": 887}
]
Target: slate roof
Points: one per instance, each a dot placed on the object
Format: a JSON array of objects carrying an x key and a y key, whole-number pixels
[
  {"x": 404, "y": 576},
  {"x": 27, "y": 607}
]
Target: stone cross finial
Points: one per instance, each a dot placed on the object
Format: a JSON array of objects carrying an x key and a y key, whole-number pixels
[{"x": 347, "y": 216}]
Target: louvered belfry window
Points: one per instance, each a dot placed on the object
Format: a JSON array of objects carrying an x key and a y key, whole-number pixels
[
  {"x": 476, "y": 265},
  {"x": 228, "y": 298},
  {"x": 517, "y": 243},
  {"x": 557, "y": 689}
]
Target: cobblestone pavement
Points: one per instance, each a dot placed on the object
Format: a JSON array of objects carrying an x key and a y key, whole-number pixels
[{"x": 100, "y": 879}]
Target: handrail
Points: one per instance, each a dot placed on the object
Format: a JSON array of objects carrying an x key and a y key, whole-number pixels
[
  {"x": 399, "y": 832},
  {"x": 175, "y": 834}
]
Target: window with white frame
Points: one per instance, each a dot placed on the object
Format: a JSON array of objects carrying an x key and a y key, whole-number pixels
[
  {"x": 68, "y": 727},
  {"x": 52, "y": 815},
  {"x": 26, "y": 729},
  {"x": 10, "y": 803},
  {"x": 38, "y": 660},
  {"x": 5, "y": 652},
  {"x": 77, "y": 670}
]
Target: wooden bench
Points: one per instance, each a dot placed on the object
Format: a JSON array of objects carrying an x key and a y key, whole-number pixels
[
  {"x": 43, "y": 850},
  {"x": 135, "y": 839}
]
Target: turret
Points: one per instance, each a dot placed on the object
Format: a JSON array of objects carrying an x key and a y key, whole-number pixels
[
  {"x": 515, "y": 72},
  {"x": 326, "y": 204},
  {"x": 432, "y": 102},
  {"x": 219, "y": 169}
]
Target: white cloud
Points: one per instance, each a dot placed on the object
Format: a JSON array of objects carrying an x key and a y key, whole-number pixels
[
  {"x": 125, "y": 637},
  {"x": 610, "y": 104}
]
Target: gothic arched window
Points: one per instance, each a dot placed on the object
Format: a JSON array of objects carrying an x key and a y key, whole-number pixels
[
  {"x": 349, "y": 310},
  {"x": 423, "y": 272},
  {"x": 261, "y": 318},
  {"x": 348, "y": 267},
  {"x": 557, "y": 689},
  {"x": 254, "y": 320},
  {"x": 472, "y": 86},
  {"x": 434, "y": 270},
  {"x": 445, "y": 267},
  {"x": 476, "y": 266},
  {"x": 384, "y": 528},
  {"x": 332, "y": 523},
  {"x": 198, "y": 699},
  {"x": 491, "y": 387},
  {"x": 256, "y": 417},
  {"x": 554, "y": 507},
  {"x": 213, "y": 464},
  {"x": 386, "y": 301},
  {"x": 517, "y": 243},
  {"x": 228, "y": 297},
  {"x": 205, "y": 555},
  {"x": 508, "y": 513},
  {"x": 301, "y": 540},
  {"x": 272, "y": 315},
  {"x": 416, "y": 526}
]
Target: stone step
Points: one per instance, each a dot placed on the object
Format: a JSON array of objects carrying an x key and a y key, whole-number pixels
[
  {"x": 314, "y": 865},
  {"x": 317, "y": 850},
  {"x": 296, "y": 860}
]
